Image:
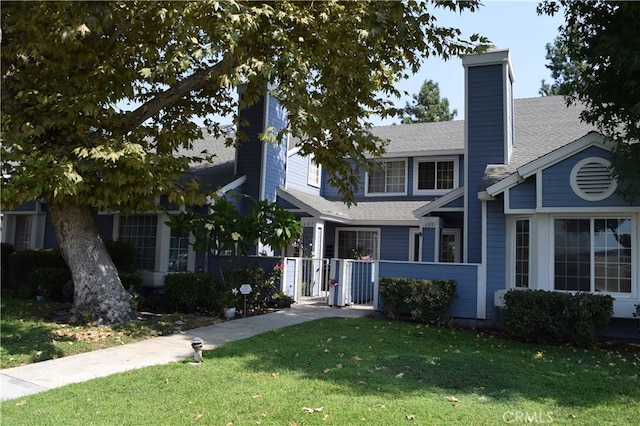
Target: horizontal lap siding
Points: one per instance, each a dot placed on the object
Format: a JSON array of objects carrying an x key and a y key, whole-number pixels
[
  {"x": 466, "y": 277},
  {"x": 556, "y": 184},
  {"x": 485, "y": 142},
  {"x": 523, "y": 196},
  {"x": 276, "y": 153},
  {"x": 394, "y": 243},
  {"x": 298, "y": 174},
  {"x": 496, "y": 252}
]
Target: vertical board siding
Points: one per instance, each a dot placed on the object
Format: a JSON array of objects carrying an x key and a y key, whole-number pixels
[{"x": 466, "y": 277}]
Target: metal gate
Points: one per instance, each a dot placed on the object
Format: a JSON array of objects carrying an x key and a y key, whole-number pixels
[{"x": 307, "y": 280}]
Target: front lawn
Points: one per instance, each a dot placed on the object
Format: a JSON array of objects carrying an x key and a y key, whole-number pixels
[
  {"x": 33, "y": 331},
  {"x": 363, "y": 371}
]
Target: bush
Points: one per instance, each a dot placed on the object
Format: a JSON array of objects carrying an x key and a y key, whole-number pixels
[
  {"x": 46, "y": 282},
  {"x": 6, "y": 250},
  {"x": 131, "y": 281},
  {"x": 188, "y": 289},
  {"x": 123, "y": 255},
  {"x": 22, "y": 262},
  {"x": 426, "y": 300},
  {"x": 552, "y": 316},
  {"x": 261, "y": 288}
]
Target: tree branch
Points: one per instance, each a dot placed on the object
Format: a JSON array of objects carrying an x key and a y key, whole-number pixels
[{"x": 201, "y": 79}]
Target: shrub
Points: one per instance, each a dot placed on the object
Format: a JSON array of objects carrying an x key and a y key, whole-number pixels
[
  {"x": 22, "y": 262},
  {"x": 6, "y": 250},
  {"x": 189, "y": 289},
  {"x": 426, "y": 300},
  {"x": 261, "y": 288},
  {"x": 123, "y": 255},
  {"x": 551, "y": 316},
  {"x": 131, "y": 281},
  {"x": 46, "y": 282}
]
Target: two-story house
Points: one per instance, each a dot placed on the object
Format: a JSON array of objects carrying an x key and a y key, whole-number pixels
[{"x": 516, "y": 195}]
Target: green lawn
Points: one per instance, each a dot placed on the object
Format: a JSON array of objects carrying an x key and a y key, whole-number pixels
[
  {"x": 33, "y": 331},
  {"x": 363, "y": 371}
]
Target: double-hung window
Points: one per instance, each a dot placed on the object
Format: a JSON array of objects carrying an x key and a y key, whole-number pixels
[
  {"x": 390, "y": 178},
  {"x": 435, "y": 176},
  {"x": 593, "y": 254},
  {"x": 314, "y": 177}
]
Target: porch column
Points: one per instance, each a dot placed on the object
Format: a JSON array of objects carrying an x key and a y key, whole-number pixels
[{"x": 431, "y": 227}]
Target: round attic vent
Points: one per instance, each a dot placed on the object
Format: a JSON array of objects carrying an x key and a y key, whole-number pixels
[{"x": 591, "y": 179}]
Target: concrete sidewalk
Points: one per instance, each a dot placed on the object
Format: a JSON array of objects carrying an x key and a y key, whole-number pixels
[{"x": 30, "y": 379}]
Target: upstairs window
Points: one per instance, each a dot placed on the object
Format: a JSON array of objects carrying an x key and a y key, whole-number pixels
[
  {"x": 315, "y": 173},
  {"x": 389, "y": 179},
  {"x": 433, "y": 176}
]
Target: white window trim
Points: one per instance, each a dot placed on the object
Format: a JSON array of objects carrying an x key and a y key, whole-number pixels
[
  {"x": 635, "y": 263},
  {"x": 387, "y": 194},
  {"x": 353, "y": 229},
  {"x": 511, "y": 252},
  {"x": 314, "y": 173},
  {"x": 456, "y": 174}
]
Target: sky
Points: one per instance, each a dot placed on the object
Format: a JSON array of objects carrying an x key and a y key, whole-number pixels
[{"x": 512, "y": 25}]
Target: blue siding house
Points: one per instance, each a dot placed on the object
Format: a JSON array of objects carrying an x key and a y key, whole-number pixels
[{"x": 518, "y": 195}]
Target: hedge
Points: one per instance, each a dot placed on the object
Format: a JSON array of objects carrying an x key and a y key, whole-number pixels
[
  {"x": 426, "y": 300},
  {"x": 552, "y": 316}
]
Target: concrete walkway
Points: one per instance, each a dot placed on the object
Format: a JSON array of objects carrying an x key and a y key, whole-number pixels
[{"x": 42, "y": 376}]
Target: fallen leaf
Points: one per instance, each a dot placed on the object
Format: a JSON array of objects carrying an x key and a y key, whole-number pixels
[
  {"x": 166, "y": 381},
  {"x": 411, "y": 417},
  {"x": 19, "y": 403},
  {"x": 451, "y": 398},
  {"x": 381, "y": 406},
  {"x": 275, "y": 374},
  {"x": 356, "y": 358},
  {"x": 399, "y": 375},
  {"x": 326, "y": 370},
  {"x": 382, "y": 367},
  {"x": 325, "y": 417},
  {"x": 338, "y": 365},
  {"x": 572, "y": 416},
  {"x": 329, "y": 339},
  {"x": 256, "y": 397}
]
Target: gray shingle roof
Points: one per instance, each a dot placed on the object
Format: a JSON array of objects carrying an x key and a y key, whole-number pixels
[
  {"x": 542, "y": 125},
  {"x": 409, "y": 138},
  {"x": 366, "y": 211}
]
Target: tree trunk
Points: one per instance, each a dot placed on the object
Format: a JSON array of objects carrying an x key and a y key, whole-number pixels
[{"x": 98, "y": 293}]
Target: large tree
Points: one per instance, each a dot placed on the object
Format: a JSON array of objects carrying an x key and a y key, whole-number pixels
[
  {"x": 69, "y": 67},
  {"x": 428, "y": 106},
  {"x": 561, "y": 67},
  {"x": 600, "y": 42}
]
